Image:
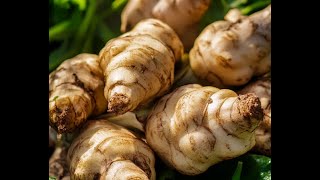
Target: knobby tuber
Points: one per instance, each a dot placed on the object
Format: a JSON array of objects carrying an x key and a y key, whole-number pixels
[
  {"x": 195, "y": 127},
  {"x": 262, "y": 88},
  {"x": 139, "y": 65},
  {"x": 104, "y": 150},
  {"x": 229, "y": 53},
  {"x": 75, "y": 92},
  {"x": 58, "y": 166},
  {"x": 182, "y": 15}
]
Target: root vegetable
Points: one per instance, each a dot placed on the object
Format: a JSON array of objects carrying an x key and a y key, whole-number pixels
[
  {"x": 262, "y": 88},
  {"x": 108, "y": 151},
  {"x": 229, "y": 53},
  {"x": 139, "y": 65},
  {"x": 58, "y": 166},
  {"x": 195, "y": 127},
  {"x": 75, "y": 92},
  {"x": 182, "y": 15}
]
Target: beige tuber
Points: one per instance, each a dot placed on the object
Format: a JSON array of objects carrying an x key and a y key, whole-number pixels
[
  {"x": 75, "y": 92},
  {"x": 139, "y": 65},
  {"x": 262, "y": 88},
  {"x": 182, "y": 15},
  {"x": 195, "y": 127},
  {"x": 229, "y": 53},
  {"x": 104, "y": 150}
]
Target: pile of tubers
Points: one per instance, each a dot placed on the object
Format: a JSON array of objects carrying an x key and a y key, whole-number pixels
[{"x": 122, "y": 109}]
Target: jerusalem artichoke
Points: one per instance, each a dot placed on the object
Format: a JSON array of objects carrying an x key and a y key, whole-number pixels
[
  {"x": 229, "y": 53},
  {"x": 58, "y": 166},
  {"x": 262, "y": 88},
  {"x": 75, "y": 92},
  {"x": 182, "y": 15},
  {"x": 138, "y": 66},
  {"x": 195, "y": 127},
  {"x": 104, "y": 150}
]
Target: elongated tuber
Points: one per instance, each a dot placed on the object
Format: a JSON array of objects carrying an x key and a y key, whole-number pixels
[
  {"x": 195, "y": 127},
  {"x": 182, "y": 15},
  {"x": 104, "y": 150},
  {"x": 139, "y": 65},
  {"x": 262, "y": 88},
  {"x": 229, "y": 53},
  {"x": 75, "y": 92}
]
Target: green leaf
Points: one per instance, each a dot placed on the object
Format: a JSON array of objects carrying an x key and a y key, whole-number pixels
[
  {"x": 82, "y": 4},
  {"x": 56, "y": 97},
  {"x": 118, "y": 4},
  {"x": 52, "y": 178},
  {"x": 237, "y": 172}
]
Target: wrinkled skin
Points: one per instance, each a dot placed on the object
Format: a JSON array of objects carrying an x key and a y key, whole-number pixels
[
  {"x": 104, "y": 150},
  {"x": 58, "y": 166},
  {"x": 182, "y": 16},
  {"x": 138, "y": 67},
  {"x": 262, "y": 88},
  {"x": 195, "y": 127},
  {"x": 229, "y": 53},
  {"x": 75, "y": 92}
]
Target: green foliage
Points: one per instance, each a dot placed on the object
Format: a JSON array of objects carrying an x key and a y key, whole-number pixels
[
  {"x": 52, "y": 178},
  {"x": 81, "y": 26},
  {"x": 237, "y": 172}
]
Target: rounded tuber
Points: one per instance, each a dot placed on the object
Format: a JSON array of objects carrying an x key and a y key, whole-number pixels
[
  {"x": 75, "y": 92},
  {"x": 104, "y": 150},
  {"x": 195, "y": 127},
  {"x": 182, "y": 16},
  {"x": 229, "y": 53}
]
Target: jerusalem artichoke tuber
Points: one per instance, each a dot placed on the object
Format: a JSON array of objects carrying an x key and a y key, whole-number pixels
[
  {"x": 229, "y": 53},
  {"x": 195, "y": 127},
  {"x": 262, "y": 88},
  {"x": 139, "y": 66},
  {"x": 182, "y": 15},
  {"x": 75, "y": 92},
  {"x": 104, "y": 150}
]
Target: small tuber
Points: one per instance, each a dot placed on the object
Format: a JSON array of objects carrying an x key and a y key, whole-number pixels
[
  {"x": 229, "y": 53},
  {"x": 104, "y": 150},
  {"x": 75, "y": 92}
]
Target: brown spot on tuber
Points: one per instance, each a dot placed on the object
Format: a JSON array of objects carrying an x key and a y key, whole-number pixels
[
  {"x": 250, "y": 106},
  {"x": 118, "y": 103}
]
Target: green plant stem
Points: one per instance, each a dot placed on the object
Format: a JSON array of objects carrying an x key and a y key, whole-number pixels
[{"x": 59, "y": 29}]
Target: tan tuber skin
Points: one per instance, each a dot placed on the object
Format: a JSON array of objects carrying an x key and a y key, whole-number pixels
[
  {"x": 229, "y": 53},
  {"x": 139, "y": 65},
  {"x": 75, "y": 92},
  {"x": 58, "y": 166},
  {"x": 182, "y": 15},
  {"x": 104, "y": 150},
  {"x": 195, "y": 127},
  {"x": 262, "y": 88}
]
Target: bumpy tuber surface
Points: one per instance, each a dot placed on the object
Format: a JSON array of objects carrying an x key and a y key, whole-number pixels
[
  {"x": 75, "y": 92},
  {"x": 195, "y": 127},
  {"x": 229, "y": 53},
  {"x": 262, "y": 88},
  {"x": 182, "y": 15},
  {"x": 58, "y": 166},
  {"x": 139, "y": 65},
  {"x": 104, "y": 150}
]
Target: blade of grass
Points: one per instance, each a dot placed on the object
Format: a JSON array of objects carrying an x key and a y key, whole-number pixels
[{"x": 237, "y": 172}]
